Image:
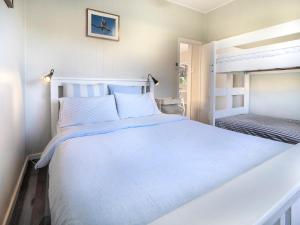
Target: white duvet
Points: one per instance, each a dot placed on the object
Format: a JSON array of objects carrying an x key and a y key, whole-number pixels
[{"x": 133, "y": 171}]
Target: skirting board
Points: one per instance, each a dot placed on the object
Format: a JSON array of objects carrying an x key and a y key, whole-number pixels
[{"x": 17, "y": 187}]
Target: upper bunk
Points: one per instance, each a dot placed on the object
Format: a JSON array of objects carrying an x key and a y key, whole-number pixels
[{"x": 273, "y": 48}]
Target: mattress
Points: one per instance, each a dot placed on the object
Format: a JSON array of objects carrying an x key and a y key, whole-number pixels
[
  {"x": 277, "y": 129},
  {"x": 134, "y": 171}
]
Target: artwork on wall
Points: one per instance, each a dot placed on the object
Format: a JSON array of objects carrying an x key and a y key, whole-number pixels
[
  {"x": 9, "y": 3},
  {"x": 102, "y": 25}
]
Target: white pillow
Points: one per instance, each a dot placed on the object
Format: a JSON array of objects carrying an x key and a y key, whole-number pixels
[
  {"x": 84, "y": 90},
  {"x": 132, "y": 106},
  {"x": 77, "y": 111}
]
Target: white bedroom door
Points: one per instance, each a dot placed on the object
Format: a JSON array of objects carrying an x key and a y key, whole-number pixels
[{"x": 207, "y": 82}]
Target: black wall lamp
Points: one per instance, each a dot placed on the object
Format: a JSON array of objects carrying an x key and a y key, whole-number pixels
[{"x": 156, "y": 82}]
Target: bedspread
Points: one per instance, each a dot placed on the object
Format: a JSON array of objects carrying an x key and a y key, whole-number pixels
[{"x": 133, "y": 171}]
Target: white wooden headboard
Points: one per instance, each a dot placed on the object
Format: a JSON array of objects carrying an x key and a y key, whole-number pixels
[{"x": 56, "y": 91}]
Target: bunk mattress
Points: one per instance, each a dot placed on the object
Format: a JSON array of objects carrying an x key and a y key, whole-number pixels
[{"x": 277, "y": 129}]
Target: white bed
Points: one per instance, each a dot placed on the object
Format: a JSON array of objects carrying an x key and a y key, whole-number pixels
[{"x": 135, "y": 171}]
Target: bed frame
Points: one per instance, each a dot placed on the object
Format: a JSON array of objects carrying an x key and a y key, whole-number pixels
[
  {"x": 57, "y": 83},
  {"x": 235, "y": 54}
]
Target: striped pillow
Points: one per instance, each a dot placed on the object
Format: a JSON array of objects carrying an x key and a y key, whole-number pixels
[
  {"x": 84, "y": 90},
  {"x": 135, "y": 90}
]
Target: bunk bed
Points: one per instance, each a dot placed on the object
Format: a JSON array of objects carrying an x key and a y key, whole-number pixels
[{"x": 233, "y": 61}]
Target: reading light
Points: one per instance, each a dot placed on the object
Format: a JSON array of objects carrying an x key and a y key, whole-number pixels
[
  {"x": 156, "y": 82},
  {"x": 48, "y": 77}
]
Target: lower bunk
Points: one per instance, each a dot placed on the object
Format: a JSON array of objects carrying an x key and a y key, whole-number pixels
[{"x": 278, "y": 129}]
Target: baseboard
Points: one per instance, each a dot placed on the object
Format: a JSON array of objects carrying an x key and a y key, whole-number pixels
[
  {"x": 34, "y": 156},
  {"x": 14, "y": 197}
]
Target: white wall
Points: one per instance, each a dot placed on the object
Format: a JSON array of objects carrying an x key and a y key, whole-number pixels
[
  {"x": 56, "y": 39},
  {"x": 276, "y": 95},
  {"x": 12, "y": 150}
]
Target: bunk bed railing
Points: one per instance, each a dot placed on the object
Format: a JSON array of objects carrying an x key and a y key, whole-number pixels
[
  {"x": 282, "y": 55},
  {"x": 280, "y": 30}
]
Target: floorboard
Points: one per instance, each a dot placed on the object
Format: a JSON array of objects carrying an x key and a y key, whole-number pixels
[{"x": 32, "y": 205}]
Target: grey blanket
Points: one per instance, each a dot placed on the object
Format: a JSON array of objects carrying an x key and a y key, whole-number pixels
[{"x": 277, "y": 129}]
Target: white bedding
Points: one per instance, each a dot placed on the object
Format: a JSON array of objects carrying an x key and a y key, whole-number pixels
[{"x": 133, "y": 171}]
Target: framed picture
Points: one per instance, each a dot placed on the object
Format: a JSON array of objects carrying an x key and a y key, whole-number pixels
[
  {"x": 9, "y": 3},
  {"x": 102, "y": 25}
]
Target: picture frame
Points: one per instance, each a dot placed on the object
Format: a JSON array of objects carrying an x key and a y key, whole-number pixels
[
  {"x": 9, "y": 3},
  {"x": 102, "y": 25}
]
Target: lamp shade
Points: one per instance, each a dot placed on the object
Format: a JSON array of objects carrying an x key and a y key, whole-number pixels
[{"x": 155, "y": 81}]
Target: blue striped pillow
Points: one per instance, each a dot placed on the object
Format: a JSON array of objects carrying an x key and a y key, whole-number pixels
[
  {"x": 135, "y": 90},
  {"x": 84, "y": 90}
]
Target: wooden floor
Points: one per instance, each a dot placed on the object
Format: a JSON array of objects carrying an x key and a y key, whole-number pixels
[{"x": 32, "y": 206}]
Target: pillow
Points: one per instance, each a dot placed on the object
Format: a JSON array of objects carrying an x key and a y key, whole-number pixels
[
  {"x": 124, "y": 89},
  {"x": 84, "y": 90},
  {"x": 132, "y": 106},
  {"x": 78, "y": 111}
]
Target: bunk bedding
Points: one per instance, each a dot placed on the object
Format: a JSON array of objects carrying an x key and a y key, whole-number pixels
[
  {"x": 277, "y": 129},
  {"x": 133, "y": 171}
]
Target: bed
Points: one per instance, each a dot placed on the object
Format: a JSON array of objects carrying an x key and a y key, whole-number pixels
[
  {"x": 134, "y": 171},
  {"x": 138, "y": 170},
  {"x": 278, "y": 129}
]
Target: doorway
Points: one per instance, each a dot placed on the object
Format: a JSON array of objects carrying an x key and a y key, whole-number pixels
[{"x": 189, "y": 52}]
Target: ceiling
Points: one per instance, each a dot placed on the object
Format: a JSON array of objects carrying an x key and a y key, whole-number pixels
[{"x": 203, "y": 6}]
